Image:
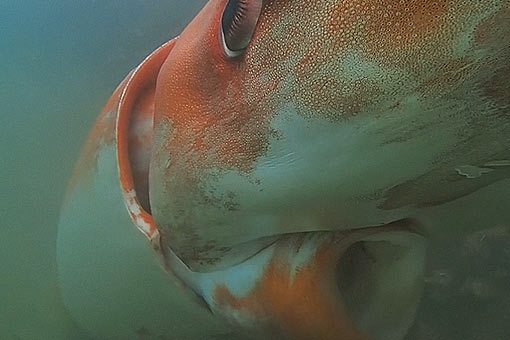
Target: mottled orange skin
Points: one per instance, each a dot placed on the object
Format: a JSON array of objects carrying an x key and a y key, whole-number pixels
[
  {"x": 221, "y": 108},
  {"x": 217, "y": 124},
  {"x": 301, "y": 301},
  {"x": 214, "y": 114},
  {"x": 302, "y": 306},
  {"x": 333, "y": 61}
]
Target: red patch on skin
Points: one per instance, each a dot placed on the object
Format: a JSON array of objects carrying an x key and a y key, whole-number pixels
[
  {"x": 203, "y": 112},
  {"x": 495, "y": 28},
  {"x": 389, "y": 26},
  {"x": 498, "y": 88},
  {"x": 494, "y": 33},
  {"x": 221, "y": 109},
  {"x": 306, "y": 306},
  {"x": 136, "y": 107},
  {"x": 418, "y": 37},
  {"x": 323, "y": 59}
]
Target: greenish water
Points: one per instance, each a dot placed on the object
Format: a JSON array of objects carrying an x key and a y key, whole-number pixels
[{"x": 60, "y": 61}]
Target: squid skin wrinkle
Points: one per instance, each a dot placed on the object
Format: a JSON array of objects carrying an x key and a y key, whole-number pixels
[{"x": 286, "y": 161}]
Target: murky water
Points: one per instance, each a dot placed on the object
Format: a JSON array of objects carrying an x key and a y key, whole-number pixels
[{"x": 59, "y": 62}]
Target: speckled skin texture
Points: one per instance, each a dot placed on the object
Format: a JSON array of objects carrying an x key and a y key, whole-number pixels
[
  {"x": 340, "y": 115},
  {"x": 255, "y": 174}
]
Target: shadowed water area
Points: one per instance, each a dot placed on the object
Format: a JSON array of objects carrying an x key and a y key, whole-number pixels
[{"x": 59, "y": 63}]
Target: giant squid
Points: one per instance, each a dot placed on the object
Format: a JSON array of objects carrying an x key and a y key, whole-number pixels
[{"x": 274, "y": 172}]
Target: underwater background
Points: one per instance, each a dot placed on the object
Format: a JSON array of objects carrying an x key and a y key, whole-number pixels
[{"x": 59, "y": 63}]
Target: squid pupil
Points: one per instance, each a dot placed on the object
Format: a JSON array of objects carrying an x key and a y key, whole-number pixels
[{"x": 232, "y": 16}]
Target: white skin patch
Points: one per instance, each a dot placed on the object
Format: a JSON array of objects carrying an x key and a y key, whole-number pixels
[
  {"x": 228, "y": 51},
  {"x": 302, "y": 254},
  {"x": 239, "y": 279},
  {"x": 471, "y": 171},
  {"x": 136, "y": 213}
]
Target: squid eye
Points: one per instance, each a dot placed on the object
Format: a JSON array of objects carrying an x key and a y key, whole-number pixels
[{"x": 238, "y": 24}]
